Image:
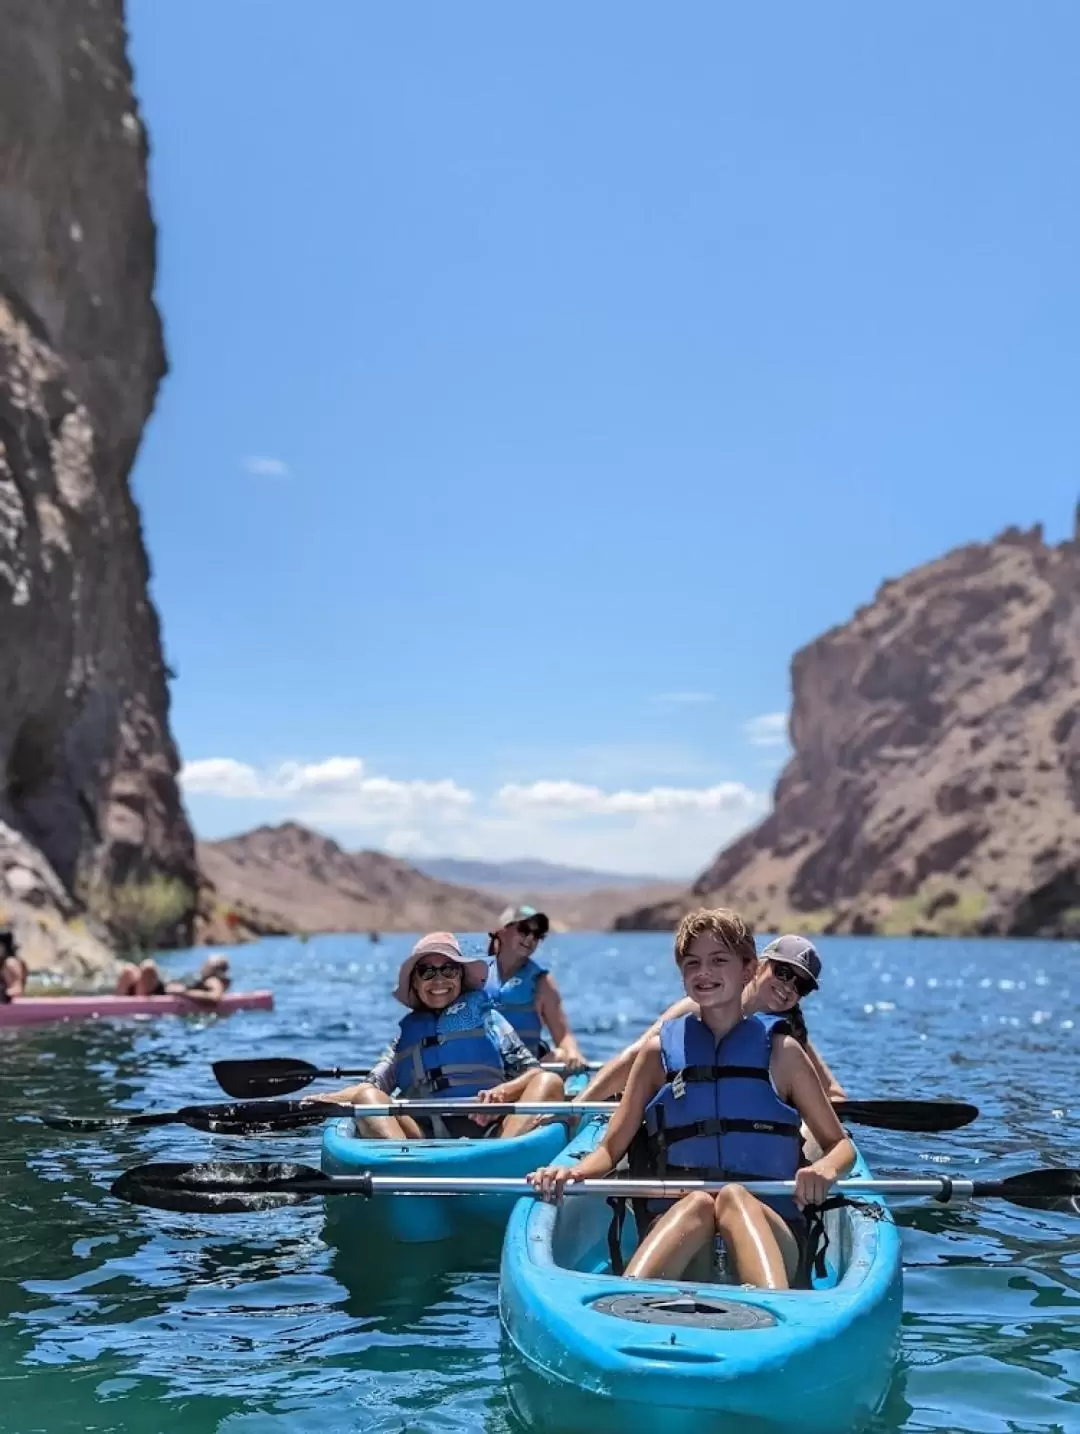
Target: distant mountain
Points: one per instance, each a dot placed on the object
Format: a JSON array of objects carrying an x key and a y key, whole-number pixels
[
  {"x": 511, "y": 878},
  {"x": 291, "y": 878}
]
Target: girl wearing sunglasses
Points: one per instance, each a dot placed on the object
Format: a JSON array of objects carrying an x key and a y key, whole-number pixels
[
  {"x": 787, "y": 971},
  {"x": 452, "y": 1044},
  {"x": 525, "y": 992}
]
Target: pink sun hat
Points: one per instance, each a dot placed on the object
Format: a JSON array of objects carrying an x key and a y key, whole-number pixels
[{"x": 444, "y": 944}]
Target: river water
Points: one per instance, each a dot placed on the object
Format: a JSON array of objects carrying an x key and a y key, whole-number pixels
[{"x": 114, "y": 1318}]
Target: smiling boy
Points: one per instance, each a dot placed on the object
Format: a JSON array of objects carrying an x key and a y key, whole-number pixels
[{"x": 721, "y": 1096}]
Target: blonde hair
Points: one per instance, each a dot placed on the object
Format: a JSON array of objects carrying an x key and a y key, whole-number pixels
[{"x": 729, "y": 928}]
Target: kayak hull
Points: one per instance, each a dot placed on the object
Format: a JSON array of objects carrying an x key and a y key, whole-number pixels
[
  {"x": 36, "y": 1010},
  {"x": 422, "y": 1219},
  {"x": 582, "y": 1356}
]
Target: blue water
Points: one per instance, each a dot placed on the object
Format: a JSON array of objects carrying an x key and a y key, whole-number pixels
[{"x": 117, "y": 1318}]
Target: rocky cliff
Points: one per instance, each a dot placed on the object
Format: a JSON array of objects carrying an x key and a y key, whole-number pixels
[
  {"x": 935, "y": 780},
  {"x": 87, "y": 764},
  {"x": 291, "y": 878}
]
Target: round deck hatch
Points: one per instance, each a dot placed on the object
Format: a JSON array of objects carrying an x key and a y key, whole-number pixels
[{"x": 688, "y": 1310}]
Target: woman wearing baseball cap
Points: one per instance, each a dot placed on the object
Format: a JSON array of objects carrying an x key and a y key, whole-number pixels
[
  {"x": 452, "y": 1044},
  {"x": 788, "y": 970},
  {"x": 524, "y": 991}
]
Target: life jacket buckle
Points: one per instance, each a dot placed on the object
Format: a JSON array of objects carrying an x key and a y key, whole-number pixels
[{"x": 678, "y": 1086}]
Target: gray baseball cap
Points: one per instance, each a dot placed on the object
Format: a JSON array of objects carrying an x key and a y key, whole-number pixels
[{"x": 795, "y": 951}]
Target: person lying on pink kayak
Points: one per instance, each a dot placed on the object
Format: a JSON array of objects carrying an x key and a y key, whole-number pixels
[
  {"x": 719, "y": 1096},
  {"x": 204, "y": 989},
  {"x": 788, "y": 971},
  {"x": 453, "y": 1045},
  {"x": 14, "y": 971}
]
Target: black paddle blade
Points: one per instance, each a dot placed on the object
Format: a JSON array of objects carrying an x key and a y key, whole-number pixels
[
  {"x": 918, "y": 1115},
  {"x": 1057, "y": 1190},
  {"x": 273, "y": 1076},
  {"x": 107, "y": 1122},
  {"x": 218, "y": 1188},
  {"x": 254, "y": 1117}
]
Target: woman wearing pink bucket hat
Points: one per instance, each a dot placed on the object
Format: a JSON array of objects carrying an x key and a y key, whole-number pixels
[{"x": 452, "y": 1044}]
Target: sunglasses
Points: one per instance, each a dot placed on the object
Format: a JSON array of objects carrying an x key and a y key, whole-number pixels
[
  {"x": 426, "y": 972},
  {"x": 528, "y": 928},
  {"x": 791, "y": 976}
]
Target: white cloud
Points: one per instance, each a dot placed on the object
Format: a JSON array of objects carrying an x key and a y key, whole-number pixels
[
  {"x": 267, "y": 467},
  {"x": 685, "y": 699},
  {"x": 663, "y": 829},
  {"x": 333, "y": 792},
  {"x": 768, "y": 730},
  {"x": 574, "y": 799},
  {"x": 220, "y": 777}
]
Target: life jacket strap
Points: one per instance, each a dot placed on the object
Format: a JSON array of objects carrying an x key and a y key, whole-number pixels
[
  {"x": 708, "y": 1075},
  {"x": 667, "y": 1135}
]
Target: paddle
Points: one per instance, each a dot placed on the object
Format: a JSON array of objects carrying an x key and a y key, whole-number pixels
[
  {"x": 261, "y": 1117},
  {"x": 219, "y": 1188},
  {"x": 280, "y": 1075}
]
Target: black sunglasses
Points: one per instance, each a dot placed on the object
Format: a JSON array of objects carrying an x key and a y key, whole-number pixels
[
  {"x": 427, "y": 972},
  {"x": 529, "y": 928},
  {"x": 792, "y": 976}
]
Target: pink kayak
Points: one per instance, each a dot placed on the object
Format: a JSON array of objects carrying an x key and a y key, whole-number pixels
[{"x": 31, "y": 1010}]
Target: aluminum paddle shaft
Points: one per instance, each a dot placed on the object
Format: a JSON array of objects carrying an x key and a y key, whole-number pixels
[{"x": 937, "y": 1188}]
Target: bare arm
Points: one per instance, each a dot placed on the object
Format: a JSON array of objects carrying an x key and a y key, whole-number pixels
[
  {"x": 831, "y": 1086},
  {"x": 797, "y": 1082},
  {"x": 550, "y": 1006},
  {"x": 646, "y": 1078},
  {"x": 612, "y": 1076},
  {"x": 209, "y": 995}
]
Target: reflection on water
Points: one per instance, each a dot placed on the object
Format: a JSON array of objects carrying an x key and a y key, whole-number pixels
[{"x": 114, "y": 1318}]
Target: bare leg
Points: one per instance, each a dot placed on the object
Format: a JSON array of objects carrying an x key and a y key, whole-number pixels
[
  {"x": 679, "y": 1235},
  {"x": 127, "y": 980},
  {"x": 148, "y": 981},
  {"x": 761, "y": 1247},
  {"x": 382, "y": 1127},
  {"x": 542, "y": 1085}
]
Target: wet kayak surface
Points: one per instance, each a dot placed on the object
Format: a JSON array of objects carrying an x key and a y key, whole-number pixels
[{"x": 116, "y": 1318}]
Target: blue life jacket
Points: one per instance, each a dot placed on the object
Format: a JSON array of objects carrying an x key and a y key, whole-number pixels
[
  {"x": 516, "y": 999},
  {"x": 448, "y": 1053},
  {"x": 717, "y": 1116}
]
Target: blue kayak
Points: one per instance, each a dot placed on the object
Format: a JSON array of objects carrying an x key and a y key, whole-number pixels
[
  {"x": 587, "y": 1351},
  {"x": 418, "y": 1219}
]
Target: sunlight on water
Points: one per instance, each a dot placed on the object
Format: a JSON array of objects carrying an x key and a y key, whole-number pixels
[{"x": 113, "y": 1318}]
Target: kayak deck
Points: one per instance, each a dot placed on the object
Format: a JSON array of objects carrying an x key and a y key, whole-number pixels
[
  {"x": 593, "y": 1352},
  {"x": 420, "y": 1219},
  {"x": 35, "y": 1010}
]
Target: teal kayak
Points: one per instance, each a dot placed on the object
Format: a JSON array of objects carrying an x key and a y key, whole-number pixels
[
  {"x": 587, "y": 1351},
  {"x": 418, "y": 1219}
]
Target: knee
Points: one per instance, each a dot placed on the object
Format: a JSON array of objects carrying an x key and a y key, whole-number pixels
[
  {"x": 546, "y": 1086},
  {"x": 731, "y": 1205},
  {"x": 698, "y": 1209},
  {"x": 368, "y": 1095}
]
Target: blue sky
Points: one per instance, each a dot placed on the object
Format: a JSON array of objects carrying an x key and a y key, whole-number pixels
[{"x": 542, "y": 377}]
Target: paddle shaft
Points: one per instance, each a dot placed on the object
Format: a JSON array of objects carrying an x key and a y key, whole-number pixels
[{"x": 939, "y": 1188}]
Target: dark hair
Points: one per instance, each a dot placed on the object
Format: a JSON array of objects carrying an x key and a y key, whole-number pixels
[{"x": 797, "y": 1025}]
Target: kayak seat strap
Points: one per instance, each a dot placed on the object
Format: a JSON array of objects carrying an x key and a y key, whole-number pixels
[
  {"x": 614, "y": 1234},
  {"x": 815, "y": 1247}
]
